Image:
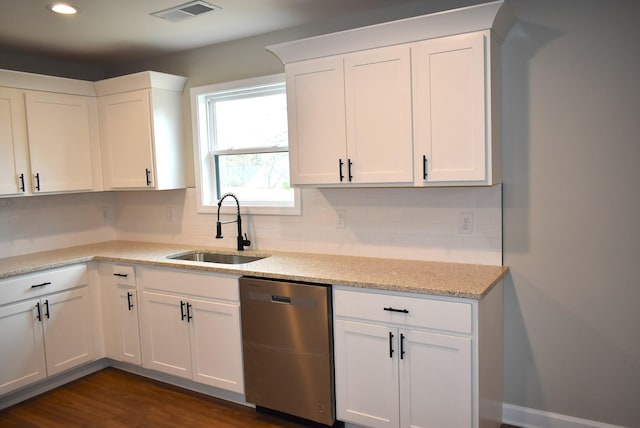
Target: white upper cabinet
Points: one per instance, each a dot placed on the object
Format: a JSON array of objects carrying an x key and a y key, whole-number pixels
[
  {"x": 452, "y": 111},
  {"x": 63, "y": 141},
  {"x": 317, "y": 124},
  {"x": 350, "y": 118},
  {"x": 14, "y": 175},
  {"x": 420, "y": 99},
  {"x": 378, "y": 109},
  {"x": 141, "y": 131},
  {"x": 49, "y": 124}
]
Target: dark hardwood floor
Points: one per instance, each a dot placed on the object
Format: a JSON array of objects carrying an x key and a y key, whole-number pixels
[{"x": 114, "y": 398}]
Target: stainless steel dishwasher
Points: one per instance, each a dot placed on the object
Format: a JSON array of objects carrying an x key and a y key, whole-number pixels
[{"x": 287, "y": 348}]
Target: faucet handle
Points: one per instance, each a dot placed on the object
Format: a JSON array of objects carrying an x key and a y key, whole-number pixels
[{"x": 246, "y": 241}]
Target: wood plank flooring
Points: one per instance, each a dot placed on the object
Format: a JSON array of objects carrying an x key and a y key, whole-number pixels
[{"x": 113, "y": 398}]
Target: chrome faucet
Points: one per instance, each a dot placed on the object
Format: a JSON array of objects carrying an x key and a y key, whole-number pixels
[{"x": 242, "y": 242}]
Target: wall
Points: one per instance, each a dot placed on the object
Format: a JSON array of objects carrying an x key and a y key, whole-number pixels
[
  {"x": 571, "y": 208},
  {"x": 420, "y": 224},
  {"x": 41, "y": 223}
]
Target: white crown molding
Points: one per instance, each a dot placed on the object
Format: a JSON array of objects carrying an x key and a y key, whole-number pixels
[
  {"x": 40, "y": 82},
  {"x": 496, "y": 16}
]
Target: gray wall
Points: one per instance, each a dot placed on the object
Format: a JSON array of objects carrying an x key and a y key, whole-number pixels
[
  {"x": 571, "y": 197},
  {"x": 572, "y": 208}
]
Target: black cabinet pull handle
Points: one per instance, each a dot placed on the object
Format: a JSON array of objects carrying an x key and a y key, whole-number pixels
[
  {"x": 46, "y": 305},
  {"x": 129, "y": 304},
  {"x": 39, "y": 313},
  {"x": 21, "y": 178},
  {"x": 121, "y": 275},
  {"x": 37, "y": 176},
  {"x": 390, "y": 345},
  {"x": 182, "y": 305},
  {"x": 40, "y": 285},
  {"x": 189, "y": 316},
  {"x": 403, "y": 311},
  {"x": 349, "y": 169},
  {"x": 424, "y": 167},
  {"x": 340, "y": 164},
  {"x": 402, "y": 346},
  {"x": 147, "y": 174}
]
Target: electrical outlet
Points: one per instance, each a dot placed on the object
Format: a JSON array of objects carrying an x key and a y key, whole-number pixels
[
  {"x": 465, "y": 224},
  {"x": 341, "y": 219}
]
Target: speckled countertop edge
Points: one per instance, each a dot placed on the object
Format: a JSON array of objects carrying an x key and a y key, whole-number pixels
[{"x": 461, "y": 280}]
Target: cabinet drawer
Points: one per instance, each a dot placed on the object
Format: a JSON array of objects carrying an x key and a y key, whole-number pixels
[
  {"x": 37, "y": 284},
  {"x": 420, "y": 312},
  {"x": 214, "y": 286},
  {"x": 124, "y": 275}
]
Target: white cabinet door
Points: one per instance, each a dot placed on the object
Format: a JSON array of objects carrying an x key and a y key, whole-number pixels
[
  {"x": 165, "y": 334},
  {"x": 316, "y": 115},
  {"x": 435, "y": 380},
  {"x": 126, "y": 137},
  {"x": 378, "y": 113},
  {"x": 62, "y": 129},
  {"x": 350, "y": 118},
  {"x": 366, "y": 374},
  {"x": 126, "y": 328},
  {"x": 216, "y": 346},
  {"x": 450, "y": 109},
  {"x": 22, "y": 359},
  {"x": 68, "y": 334},
  {"x": 14, "y": 178}
]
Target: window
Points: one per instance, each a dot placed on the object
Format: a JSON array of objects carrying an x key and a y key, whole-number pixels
[{"x": 242, "y": 146}]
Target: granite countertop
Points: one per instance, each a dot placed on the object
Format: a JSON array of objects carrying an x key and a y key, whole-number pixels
[{"x": 436, "y": 278}]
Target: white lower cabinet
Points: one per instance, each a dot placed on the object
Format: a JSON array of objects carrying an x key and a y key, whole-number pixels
[
  {"x": 22, "y": 358},
  {"x": 122, "y": 330},
  {"x": 404, "y": 361},
  {"x": 440, "y": 369},
  {"x": 46, "y": 324},
  {"x": 191, "y": 327},
  {"x": 367, "y": 386}
]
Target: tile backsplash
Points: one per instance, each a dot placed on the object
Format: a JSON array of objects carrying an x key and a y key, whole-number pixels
[{"x": 406, "y": 223}]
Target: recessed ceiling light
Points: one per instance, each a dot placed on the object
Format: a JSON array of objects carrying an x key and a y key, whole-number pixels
[{"x": 63, "y": 9}]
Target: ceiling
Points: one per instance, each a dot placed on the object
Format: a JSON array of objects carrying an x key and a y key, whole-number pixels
[{"x": 121, "y": 30}]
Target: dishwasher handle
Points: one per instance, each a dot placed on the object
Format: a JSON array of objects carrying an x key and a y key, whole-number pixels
[{"x": 280, "y": 299}]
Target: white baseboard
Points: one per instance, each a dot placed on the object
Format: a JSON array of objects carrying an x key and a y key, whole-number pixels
[{"x": 525, "y": 417}]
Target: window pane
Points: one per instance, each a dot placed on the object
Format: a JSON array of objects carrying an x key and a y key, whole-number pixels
[
  {"x": 248, "y": 122},
  {"x": 261, "y": 178}
]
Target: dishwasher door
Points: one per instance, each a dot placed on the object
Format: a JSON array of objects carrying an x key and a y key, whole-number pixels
[{"x": 287, "y": 347}]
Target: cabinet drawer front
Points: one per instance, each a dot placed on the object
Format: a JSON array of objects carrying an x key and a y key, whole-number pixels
[
  {"x": 404, "y": 311},
  {"x": 37, "y": 284},
  {"x": 214, "y": 286},
  {"x": 124, "y": 275}
]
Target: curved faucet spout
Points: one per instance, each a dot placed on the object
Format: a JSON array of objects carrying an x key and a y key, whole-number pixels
[
  {"x": 224, "y": 197},
  {"x": 242, "y": 241}
]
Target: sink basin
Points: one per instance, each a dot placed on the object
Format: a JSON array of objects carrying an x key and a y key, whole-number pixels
[{"x": 228, "y": 259}]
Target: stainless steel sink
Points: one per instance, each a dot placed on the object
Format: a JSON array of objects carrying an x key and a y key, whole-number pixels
[{"x": 203, "y": 256}]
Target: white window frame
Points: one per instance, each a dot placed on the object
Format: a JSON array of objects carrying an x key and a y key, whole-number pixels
[{"x": 204, "y": 172}]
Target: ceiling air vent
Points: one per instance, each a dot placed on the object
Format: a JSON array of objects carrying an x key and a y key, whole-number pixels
[{"x": 185, "y": 11}]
